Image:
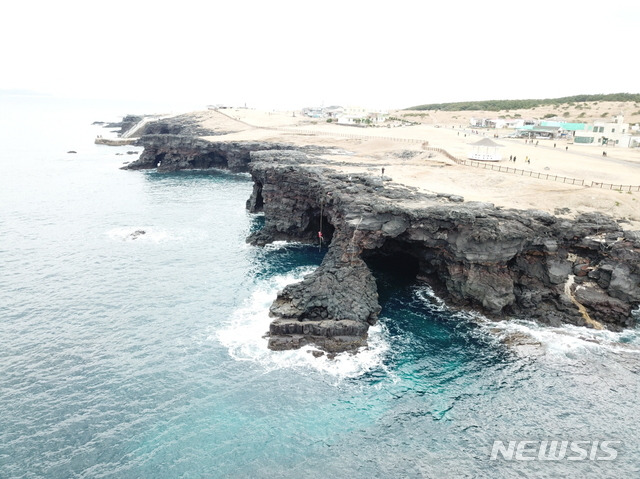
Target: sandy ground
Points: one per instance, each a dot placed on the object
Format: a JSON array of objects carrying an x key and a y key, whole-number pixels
[{"x": 400, "y": 151}]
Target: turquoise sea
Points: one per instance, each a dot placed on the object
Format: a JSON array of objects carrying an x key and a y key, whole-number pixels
[{"x": 143, "y": 356}]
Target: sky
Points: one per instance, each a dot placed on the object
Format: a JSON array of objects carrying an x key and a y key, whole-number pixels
[{"x": 284, "y": 54}]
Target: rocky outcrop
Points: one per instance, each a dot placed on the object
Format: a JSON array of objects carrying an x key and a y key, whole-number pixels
[
  {"x": 129, "y": 122},
  {"x": 331, "y": 308},
  {"x": 504, "y": 263},
  {"x": 182, "y": 152},
  {"x": 185, "y": 125}
]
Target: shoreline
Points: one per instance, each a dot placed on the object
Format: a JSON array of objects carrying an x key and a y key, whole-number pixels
[{"x": 578, "y": 267}]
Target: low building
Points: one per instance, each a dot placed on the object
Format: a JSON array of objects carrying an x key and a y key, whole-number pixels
[
  {"x": 355, "y": 115},
  {"x": 615, "y": 133},
  {"x": 540, "y": 132},
  {"x": 499, "y": 122},
  {"x": 313, "y": 112}
]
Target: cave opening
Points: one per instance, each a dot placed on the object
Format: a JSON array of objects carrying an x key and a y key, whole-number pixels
[
  {"x": 209, "y": 160},
  {"x": 258, "y": 203},
  {"x": 319, "y": 224},
  {"x": 398, "y": 265},
  {"x": 159, "y": 157}
]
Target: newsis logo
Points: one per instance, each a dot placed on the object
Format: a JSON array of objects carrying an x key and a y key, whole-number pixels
[{"x": 555, "y": 450}]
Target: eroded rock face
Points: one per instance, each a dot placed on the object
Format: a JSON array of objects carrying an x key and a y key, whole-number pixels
[
  {"x": 504, "y": 263},
  {"x": 331, "y": 308},
  {"x": 168, "y": 153}
]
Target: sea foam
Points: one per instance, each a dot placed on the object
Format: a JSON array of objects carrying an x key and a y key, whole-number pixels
[
  {"x": 244, "y": 337},
  {"x": 567, "y": 340}
]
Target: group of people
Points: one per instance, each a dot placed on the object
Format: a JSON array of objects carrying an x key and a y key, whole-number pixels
[{"x": 513, "y": 158}]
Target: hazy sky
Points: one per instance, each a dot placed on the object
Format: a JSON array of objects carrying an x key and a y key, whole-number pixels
[{"x": 285, "y": 54}]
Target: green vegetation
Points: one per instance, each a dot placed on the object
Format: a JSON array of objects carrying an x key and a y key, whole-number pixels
[
  {"x": 566, "y": 114},
  {"x": 582, "y": 115},
  {"x": 497, "y": 105},
  {"x": 549, "y": 115},
  {"x": 604, "y": 114}
]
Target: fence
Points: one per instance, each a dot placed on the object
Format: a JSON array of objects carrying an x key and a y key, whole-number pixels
[
  {"x": 615, "y": 187},
  {"x": 476, "y": 164},
  {"x": 529, "y": 173}
]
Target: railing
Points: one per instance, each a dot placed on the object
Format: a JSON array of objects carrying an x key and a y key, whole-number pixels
[
  {"x": 529, "y": 173},
  {"x": 615, "y": 187}
]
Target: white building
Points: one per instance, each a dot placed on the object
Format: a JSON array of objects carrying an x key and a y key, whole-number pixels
[
  {"x": 356, "y": 115},
  {"x": 498, "y": 122},
  {"x": 615, "y": 133}
]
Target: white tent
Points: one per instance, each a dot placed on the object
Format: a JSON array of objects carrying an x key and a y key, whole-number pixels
[{"x": 485, "y": 150}]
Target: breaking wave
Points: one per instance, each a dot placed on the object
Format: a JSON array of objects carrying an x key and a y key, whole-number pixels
[
  {"x": 526, "y": 337},
  {"x": 244, "y": 337}
]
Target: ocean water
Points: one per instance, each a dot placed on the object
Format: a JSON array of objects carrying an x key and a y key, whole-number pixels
[{"x": 142, "y": 356}]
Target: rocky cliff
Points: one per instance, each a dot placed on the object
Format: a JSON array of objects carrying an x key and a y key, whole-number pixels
[
  {"x": 504, "y": 263},
  {"x": 168, "y": 152}
]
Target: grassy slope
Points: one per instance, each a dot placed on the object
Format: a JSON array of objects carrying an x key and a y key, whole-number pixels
[{"x": 499, "y": 105}]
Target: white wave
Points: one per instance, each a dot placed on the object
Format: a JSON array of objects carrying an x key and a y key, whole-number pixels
[
  {"x": 569, "y": 340},
  {"x": 142, "y": 233},
  {"x": 244, "y": 337},
  {"x": 275, "y": 245},
  {"x": 566, "y": 340},
  {"x": 146, "y": 234},
  {"x": 431, "y": 301}
]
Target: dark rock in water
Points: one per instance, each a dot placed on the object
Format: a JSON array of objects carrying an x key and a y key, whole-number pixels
[
  {"x": 72, "y": 151},
  {"x": 136, "y": 234},
  {"x": 331, "y": 308},
  {"x": 132, "y": 152}
]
